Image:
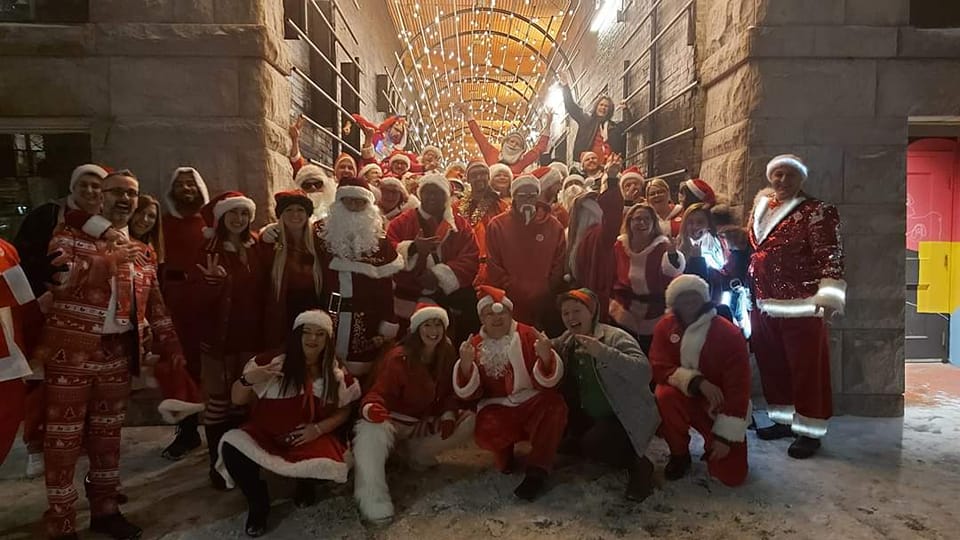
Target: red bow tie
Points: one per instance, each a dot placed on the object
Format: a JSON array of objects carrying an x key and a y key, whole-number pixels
[{"x": 773, "y": 203}]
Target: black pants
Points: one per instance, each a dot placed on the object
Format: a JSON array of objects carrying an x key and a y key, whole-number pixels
[
  {"x": 246, "y": 474},
  {"x": 599, "y": 439}
]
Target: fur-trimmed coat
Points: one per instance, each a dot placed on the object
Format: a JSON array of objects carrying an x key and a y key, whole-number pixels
[
  {"x": 638, "y": 299},
  {"x": 411, "y": 390}
]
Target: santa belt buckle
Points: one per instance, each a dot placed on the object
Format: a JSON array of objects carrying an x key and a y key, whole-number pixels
[
  {"x": 336, "y": 300},
  {"x": 736, "y": 284}
]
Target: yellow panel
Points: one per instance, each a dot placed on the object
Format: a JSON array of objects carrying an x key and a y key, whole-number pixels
[{"x": 934, "y": 294}]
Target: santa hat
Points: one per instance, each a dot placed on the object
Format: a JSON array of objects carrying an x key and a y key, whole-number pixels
[
  {"x": 498, "y": 168},
  {"x": 181, "y": 397},
  {"x": 308, "y": 173},
  {"x": 701, "y": 190},
  {"x": 343, "y": 156},
  {"x": 436, "y": 179},
  {"x": 283, "y": 199},
  {"x": 476, "y": 163},
  {"x": 316, "y": 317},
  {"x": 516, "y": 133},
  {"x": 493, "y": 297},
  {"x": 549, "y": 177},
  {"x": 454, "y": 181},
  {"x": 631, "y": 173},
  {"x": 787, "y": 160},
  {"x": 391, "y": 180},
  {"x": 425, "y": 312},
  {"x": 453, "y": 168},
  {"x": 524, "y": 180},
  {"x": 573, "y": 178},
  {"x": 432, "y": 148},
  {"x": 355, "y": 188},
  {"x": 220, "y": 205},
  {"x": 197, "y": 179},
  {"x": 399, "y": 155},
  {"x": 585, "y": 153},
  {"x": 88, "y": 168},
  {"x": 561, "y": 168},
  {"x": 370, "y": 167},
  {"x": 687, "y": 283}
]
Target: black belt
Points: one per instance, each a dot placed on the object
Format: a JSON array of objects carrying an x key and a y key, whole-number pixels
[
  {"x": 335, "y": 303},
  {"x": 483, "y": 260}
]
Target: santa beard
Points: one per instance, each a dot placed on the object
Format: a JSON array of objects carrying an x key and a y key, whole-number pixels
[
  {"x": 568, "y": 195},
  {"x": 321, "y": 202},
  {"x": 528, "y": 211},
  {"x": 495, "y": 356},
  {"x": 510, "y": 157},
  {"x": 353, "y": 235}
]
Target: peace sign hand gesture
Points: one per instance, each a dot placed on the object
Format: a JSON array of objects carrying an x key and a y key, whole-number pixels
[{"x": 213, "y": 272}]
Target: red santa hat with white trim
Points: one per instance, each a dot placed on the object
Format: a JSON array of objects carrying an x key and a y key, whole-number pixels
[
  {"x": 316, "y": 317},
  {"x": 87, "y": 168},
  {"x": 310, "y": 172},
  {"x": 343, "y": 156},
  {"x": 787, "y": 160},
  {"x": 355, "y": 188},
  {"x": 391, "y": 180},
  {"x": 498, "y": 168},
  {"x": 493, "y": 297},
  {"x": 439, "y": 180},
  {"x": 687, "y": 283},
  {"x": 573, "y": 179},
  {"x": 426, "y": 311},
  {"x": 220, "y": 205},
  {"x": 400, "y": 155},
  {"x": 549, "y": 176},
  {"x": 432, "y": 148},
  {"x": 525, "y": 179},
  {"x": 561, "y": 168},
  {"x": 370, "y": 167},
  {"x": 631, "y": 173},
  {"x": 702, "y": 191}
]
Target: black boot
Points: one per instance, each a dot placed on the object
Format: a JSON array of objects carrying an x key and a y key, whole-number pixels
[
  {"x": 774, "y": 432},
  {"x": 677, "y": 467},
  {"x": 115, "y": 526},
  {"x": 121, "y": 497},
  {"x": 803, "y": 447},
  {"x": 187, "y": 439},
  {"x": 304, "y": 494},
  {"x": 71, "y": 536},
  {"x": 214, "y": 434},
  {"x": 258, "y": 502},
  {"x": 639, "y": 479},
  {"x": 532, "y": 484}
]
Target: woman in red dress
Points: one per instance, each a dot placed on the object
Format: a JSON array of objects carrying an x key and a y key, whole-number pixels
[
  {"x": 412, "y": 399},
  {"x": 300, "y": 398}
]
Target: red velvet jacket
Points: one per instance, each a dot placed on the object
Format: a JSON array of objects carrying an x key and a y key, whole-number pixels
[{"x": 411, "y": 390}]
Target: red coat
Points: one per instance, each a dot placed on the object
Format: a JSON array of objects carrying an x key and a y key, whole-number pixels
[
  {"x": 183, "y": 239},
  {"x": 713, "y": 348},
  {"x": 527, "y": 261},
  {"x": 455, "y": 263},
  {"x": 797, "y": 262},
  {"x": 299, "y": 290},
  {"x": 479, "y": 218},
  {"x": 411, "y": 390},
  {"x": 491, "y": 154},
  {"x": 596, "y": 258},
  {"x": 638, "y": 299},
  {"x": 523, "y": 378},
  {"x": 18, "y": 312}
]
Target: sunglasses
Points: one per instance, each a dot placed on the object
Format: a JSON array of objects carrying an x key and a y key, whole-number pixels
[{"x": 312, "y": 185}]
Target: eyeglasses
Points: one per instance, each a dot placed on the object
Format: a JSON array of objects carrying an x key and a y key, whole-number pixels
[
  {"x": 122, "y": 192},
  {"x": 312, "y": 185}
]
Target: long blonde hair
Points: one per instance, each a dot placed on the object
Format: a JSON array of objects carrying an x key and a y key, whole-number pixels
[
  {"x": 635, "y": 209},
  {"x": 280, "y": 259}
]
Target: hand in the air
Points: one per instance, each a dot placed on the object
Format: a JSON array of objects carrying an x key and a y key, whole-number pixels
[{"x": 213, "y": 272}]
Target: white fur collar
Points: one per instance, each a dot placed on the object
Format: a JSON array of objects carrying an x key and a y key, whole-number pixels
[
  {"x": 693, "y": 339},
  {"x": 625, "y": 240},
  {"x": 765, "y": 220}
]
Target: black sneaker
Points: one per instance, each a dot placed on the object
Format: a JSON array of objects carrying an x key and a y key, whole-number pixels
[
  {"x": 639, "y": 479},
  {"x": 532, "y": 484},
  {"x": 803, "y": 447},
  {"x": 120, "y": 496},
  {"x": 216, "y": 480},
  {"x": 774, "y": 432},
  {"x": 187, "y": 440},
  {"x": 115, "y": 526},
  {"x": 677, "y": 467},
  {"x": 258, "y": 511}
]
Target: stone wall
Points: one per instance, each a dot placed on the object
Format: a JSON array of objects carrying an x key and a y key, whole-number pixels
[{"x": 835, "y": 83}]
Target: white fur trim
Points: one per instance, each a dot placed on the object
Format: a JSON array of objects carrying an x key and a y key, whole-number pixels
[
  {"x": 369, "y": 167},
  {"x": 316, "y": 317},
  {"x": 423, "y": 315},
  {"x": 445, "y": 276},
  {"x": 488, "y": 300},
  {"x": 393, "y": 182},
  {"x": 781, "y": 414},
  {"x": 14, "y": 365},
  {"x": 731, "y": 428},
  {"x": 670, "y": 270},
  {"x": 355, "y": 192},
  {"x": 814, "y": 428},
  {"x": 316, "y": 468},
  {"x": 787, "y": 160},
  {"x": 522, "y": 181},
  {"x": 372, "y": 444},
  {"x": 692, "y": 186},
  {"x": 18, "y": 284},
  {"x": 232, "y": 203},
  {"x": 88, "y": 168},
  {"x": 366, "y": 152},
  {"x": 789, "y": 309},
  {"x": 762, "y": 228},
  {"x": 438, "y": 180},
  {"x": 433, "y": 148},
  {"x": 691, "y": 345},
  {"x": 501, "y": 168},
  {"x": 571, "y": 179},
  {"x": 310, "y": 172},
  {"x": 631, "y": 175},
  {"x": 174, "y": 410},
  {"x": 201, "y": 185},
  {"x": 376, "y": 272},
  {"x": 468, "y": 390},
  {"x": 687, "y": 283},
  {"x": 551, "y": 178},
  {"x": 96, "y": 226},
  {"x": 401, "y": 157},
  {"x": 403, "y": 251},
  {"x": 681, "y": 377},
  {"x": 548, "y": 381},
  {"x": 388, "y": 329},
  {"x": 560, "y": 167},
  {"x": 832, "y": 293}
]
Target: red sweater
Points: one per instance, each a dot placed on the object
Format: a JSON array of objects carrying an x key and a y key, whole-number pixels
[{"x": 406, "y": 387}]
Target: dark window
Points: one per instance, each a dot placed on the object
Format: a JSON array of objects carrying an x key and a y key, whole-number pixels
[
  {"x": 45, "y": 11},
  {"x": 934, "y": 14},
  {"x": 293, "y": 10},
  {"x": 35, "y": 168}
]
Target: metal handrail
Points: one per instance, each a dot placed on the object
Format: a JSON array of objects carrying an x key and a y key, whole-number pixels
[
  {"x": 303, "y": 36},
  {"x": 659, "y": 107},
  {"x": 317, "y": 125},
  {"x": 333, "y": 32},
  {"x": 676, "y": 135},
  {"x": 316, "y": 87},
  {"x": 656, "y": 38}
]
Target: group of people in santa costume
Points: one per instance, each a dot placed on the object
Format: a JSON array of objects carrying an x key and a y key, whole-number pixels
[{"x": 395, "y": 308}]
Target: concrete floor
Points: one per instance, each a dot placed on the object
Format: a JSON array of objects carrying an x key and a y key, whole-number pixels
[{"x": 875, "y": 478}]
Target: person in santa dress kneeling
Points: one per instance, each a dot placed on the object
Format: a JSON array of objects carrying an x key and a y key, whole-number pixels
[
  {"x": 411, "y": 400},
  {"x": 513, "y": 371},
  {"x": 702, "y": 370},
  {"x": 300, "y": 400}
]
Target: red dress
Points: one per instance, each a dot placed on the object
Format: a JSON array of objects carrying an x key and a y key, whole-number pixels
[
  {"x": 278, "y": 412},
  {"x": 299, "y": 289},
  {"x": 638, "y": 299}
]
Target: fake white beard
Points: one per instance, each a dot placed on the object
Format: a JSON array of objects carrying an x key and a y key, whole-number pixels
[
  {"x": 353, "y": 235},
  {"x": 495, "y": 356},
  {"x": 510, "y": 158},
  {"x": 528, "y": 211},
  {"x": 322, "y": 201},
  {"x": 568, "y": 195}
]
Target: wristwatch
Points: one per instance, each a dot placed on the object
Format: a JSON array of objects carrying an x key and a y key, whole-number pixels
[{"x": 243, "y": 380}]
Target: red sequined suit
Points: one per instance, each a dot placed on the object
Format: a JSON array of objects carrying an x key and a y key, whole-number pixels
[{"x": 796, "y": 266}]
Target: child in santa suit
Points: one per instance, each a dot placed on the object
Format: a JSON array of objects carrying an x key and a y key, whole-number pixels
[
  {"x": 411, "y": 400},
  {"x": 702, "y": 370},
  {"x": 513, "y": 372}
]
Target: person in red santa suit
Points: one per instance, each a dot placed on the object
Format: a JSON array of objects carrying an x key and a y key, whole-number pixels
[
  {"x": 412, "y": 402},
  {"x": 595, "y": 223},
  {"x": 372, "y": 173},
  {"x": 294, "y": 266},
  {"x": 797, "y": 275},
  {"x": 631, "y": 185},
  {"x": 691, "y": 192},
  {"x": 90, "y": 345},
  {"x": 592, "y": 165},
  {"x": 441, "y": 258},
  {"x": 513, "y": 150},
  {"x": 229, "y": 284},
  {"x": 19, "y": 312},
  {"x": 359, "y": 264},
  {"x": 479, "y": 208},
  {"x": 394, "y": 197},
  {"x": 526, "y": 248},
  {"x": 430, "y": 159},
  {"x": 500, "y": 179},
  {"x": 646, "y": 261},
  {"x": 387, "y": 137},
  {"x": 657, "y": 194},
  {"x": 513, "y": 371},
  {"x": 551, "y": 179},
  {"x": 572, "y": 187},
  {"x": 702, "y": 370},
  {"x": 299, "y": 400},
  {"x": 400, "y": 163}
]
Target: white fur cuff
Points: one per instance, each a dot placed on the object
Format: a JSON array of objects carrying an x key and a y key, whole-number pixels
[
  {"x": 403, "y": 250},
  {"x": 730, "y": 428},
  {"x": 96, "y": 226},
  {"x": 668, "y": 269},
  {"x": 680, "y": 379},
  {"x": 388, "y": 329},
  {"x": 448, "y": 280},
  {"x": 19, "y": 285},
  {"x": 468, "y": 390},
  {"x": 548, "y": 381},
  {"x": 832, "y": 293}
]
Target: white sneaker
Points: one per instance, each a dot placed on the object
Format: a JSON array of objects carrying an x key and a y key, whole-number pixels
[{"x": 34, "y": 465}]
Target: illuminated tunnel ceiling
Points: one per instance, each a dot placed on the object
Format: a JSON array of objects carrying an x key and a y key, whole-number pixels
[{"x": 491, "y": 55}]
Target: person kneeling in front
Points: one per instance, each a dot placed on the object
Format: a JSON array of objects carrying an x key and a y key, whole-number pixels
[{"x": 702, "y": 370}]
